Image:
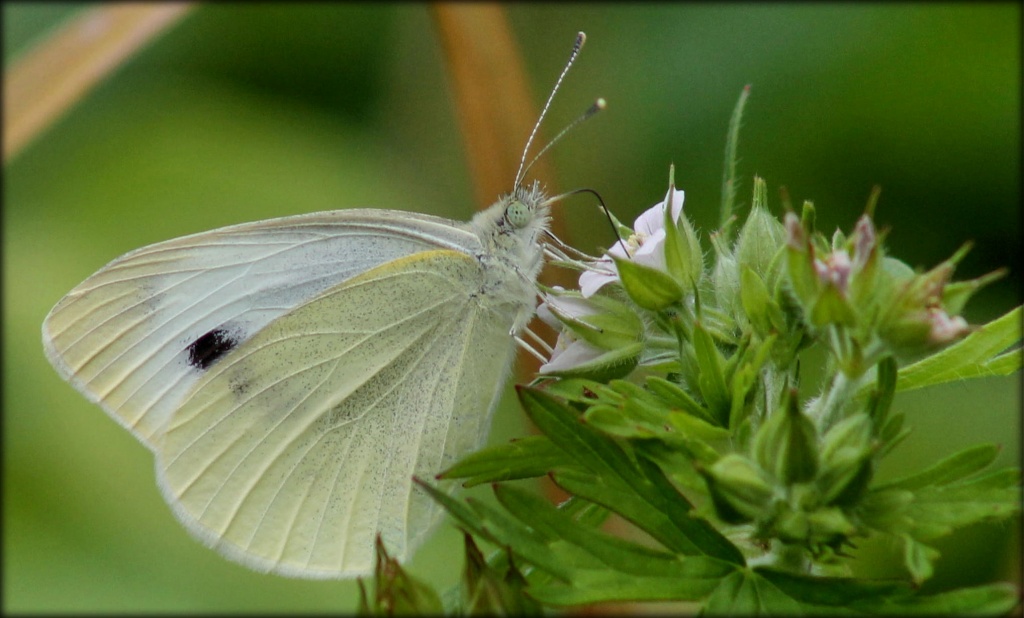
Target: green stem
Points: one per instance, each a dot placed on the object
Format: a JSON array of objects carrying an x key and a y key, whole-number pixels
[{"x": 827, "y": 409}]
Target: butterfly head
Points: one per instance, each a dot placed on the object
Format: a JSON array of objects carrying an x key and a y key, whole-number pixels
[{"x": 526, "y": 208}]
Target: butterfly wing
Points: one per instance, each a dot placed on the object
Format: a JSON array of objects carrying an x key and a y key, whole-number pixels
[
  {"x": 293, "y": 451},
  {"x": 136, "y": 336}
]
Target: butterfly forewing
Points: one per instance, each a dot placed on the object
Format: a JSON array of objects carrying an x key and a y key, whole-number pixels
[
  {"x": 292, "y": 451},
  {"x": 137, "y": 335}
]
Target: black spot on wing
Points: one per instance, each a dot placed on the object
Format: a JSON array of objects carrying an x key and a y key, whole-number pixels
[{"x": 205, "y": 351}]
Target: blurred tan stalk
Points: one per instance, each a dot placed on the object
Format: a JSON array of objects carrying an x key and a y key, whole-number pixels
[
  {"x": 47, "y": 80},
  {"x": 495, "y": 106}
]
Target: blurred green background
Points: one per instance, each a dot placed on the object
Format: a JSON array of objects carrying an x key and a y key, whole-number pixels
[{"x": 249, "y": 112}]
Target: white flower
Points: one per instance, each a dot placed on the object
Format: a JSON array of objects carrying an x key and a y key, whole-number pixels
[
  {"x": 569, "y": 351},
  {"x": 645, "y": 246}
]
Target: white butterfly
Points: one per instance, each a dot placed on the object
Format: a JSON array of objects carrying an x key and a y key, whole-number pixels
[{"x": 292, "y": 375}]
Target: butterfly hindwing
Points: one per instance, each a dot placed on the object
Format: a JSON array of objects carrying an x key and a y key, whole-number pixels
[{"x": 294, "y": 447}]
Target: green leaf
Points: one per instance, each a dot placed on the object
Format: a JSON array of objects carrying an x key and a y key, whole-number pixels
[
  {"x": 616, "y": 553},
  {"x": 457, "y": 509},
  {"x": 745, "y": 377},
  {"x": 746, "y": 593},
  {"x": 564, "y": 428},
  {"x": 679, "y": 509},
  {"x": 574, "y": 390},
  {"x": 712, "y": 374},
  {"x": 890, "y": 597},
  {"x": 729, "y": 169},
  {"x": 700, "y": 575},
  {"x": 649, "y": 288},
  {"x": 918, "y": 558},
  {"x": 938, "y": 510},
  {"x": 833, "y": 592},
  {"x": 952, "y": 468},
  {"x": 977, "y": 355},
  {"x": 676, "y": 397},
  {"x": 615, "y": 422},
  {"x": 883, "y": 393},
  {"x": 532, "y": 545},
  {"x": 527, "y": 457},
  {"x": 621, "y": 500},
  {"x": 616, "y": 483},
  {"x": 688, "y": 426},
  {"x": 990, "y": 600},
  {"x": 641, "y": 416}
]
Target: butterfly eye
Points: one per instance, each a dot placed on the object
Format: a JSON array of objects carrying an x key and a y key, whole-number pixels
[{"x": 517, "y": 214}]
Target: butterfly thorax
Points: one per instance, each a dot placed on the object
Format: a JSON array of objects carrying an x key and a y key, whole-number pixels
[{"x": 512, "y": 256}]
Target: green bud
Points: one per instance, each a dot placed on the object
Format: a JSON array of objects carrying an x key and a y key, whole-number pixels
[
  {"x": 600, "y": 320},
  {"x": 609, "y": 365},
  {"x": 956, "y": 295},
  {"x": 791, "y": 526},
  {"x": 866, "y": 251},
  {"x": 761, "y": 310},
  {"x": 831, "y": 307},
  {"x": 846, "y": 466},
  {"x": 786, "y": 444},
  {"x": 803, "y": 278},
  {"x": 829, "y": 524},
  {"x": 725, "y": 277},
  {"x": 684, "y": 258},
  {"x": 808, "y": 215},
  {"x": 761, "y": 238},
  {"x": 847, "y": 481},
  {"x": 916, "y": 319},
  {"x": 887, "y": 509},
  {"x": 739, "y": 490},
  {"x": 649, "y": 288},
  {"x": 852, "y": 434}
]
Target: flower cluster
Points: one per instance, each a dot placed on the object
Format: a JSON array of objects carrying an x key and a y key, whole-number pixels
[{"x": 728, "y": 339}]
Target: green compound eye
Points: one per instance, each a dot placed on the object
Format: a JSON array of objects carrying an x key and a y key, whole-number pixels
[{"x": 517, "y": 214}]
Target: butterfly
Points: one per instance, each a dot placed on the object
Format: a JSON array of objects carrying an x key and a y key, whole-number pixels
[{"x": 291, "y": 376}]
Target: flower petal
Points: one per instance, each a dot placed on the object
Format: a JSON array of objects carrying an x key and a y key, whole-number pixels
[
  {"x": 575, "y": 354},
  {"x": 591, "y": 281}
]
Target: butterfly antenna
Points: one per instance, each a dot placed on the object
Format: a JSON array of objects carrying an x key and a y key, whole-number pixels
[
  {"x": 599, "y": 105},
  {"x": 580, "y": 39}
]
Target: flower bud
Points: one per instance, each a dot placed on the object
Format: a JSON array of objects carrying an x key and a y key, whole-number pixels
[
  {"x": 684, "y": 259},
  {"x": 846, "y": 466},
  {"x": 916, "y": 320},
  {"x": 786, "y": 444},
  {"x": 803, "y": 277},
  {"x": 764, "y": 313},
  {"x": 829, "y": 524},
  {"x": 739, "y": 489},
  {"x": 791, "y": 525},
  {"x": 759, "y": 241},
  {"x": 649, "y": 288},
  {"x": 725, "y": 277},
  {"x": 600, "y": 336}
]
